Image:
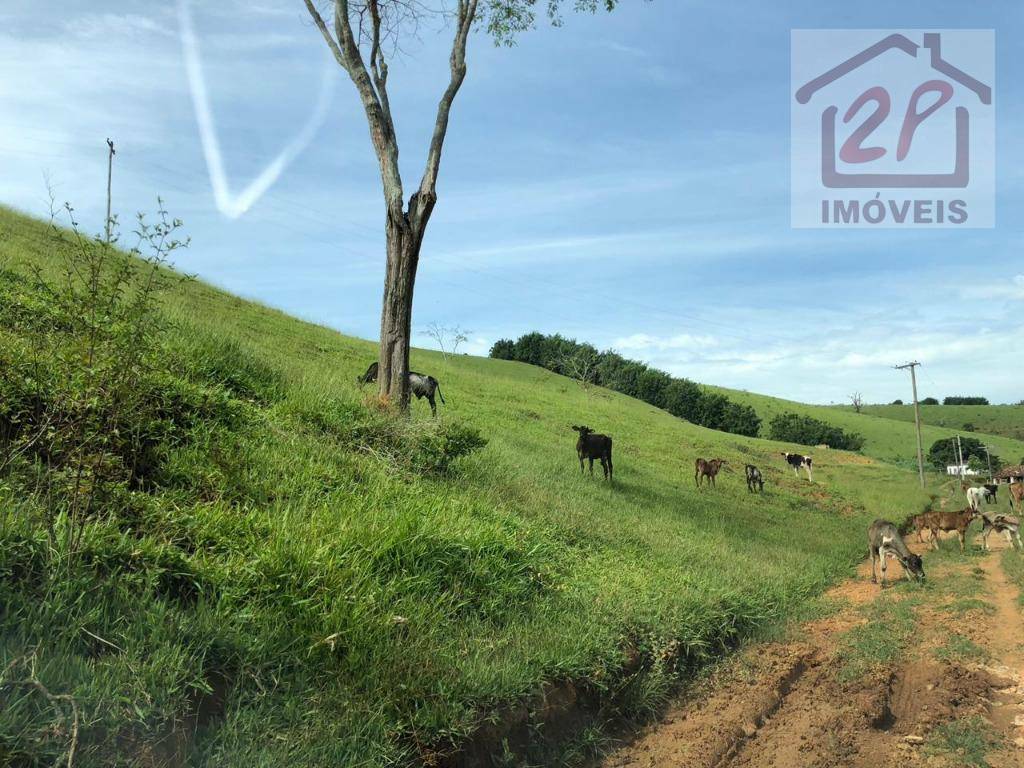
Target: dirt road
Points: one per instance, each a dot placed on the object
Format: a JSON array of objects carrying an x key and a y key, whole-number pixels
[{"x": 913, "y": 675}]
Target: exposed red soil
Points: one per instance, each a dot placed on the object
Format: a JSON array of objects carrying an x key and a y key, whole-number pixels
[{"x": 783, "y": 705}]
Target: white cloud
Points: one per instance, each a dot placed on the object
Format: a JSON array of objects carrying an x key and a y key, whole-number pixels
[
  {"x": 995, "y": 287},
  {"x": 679, "y": 341},
  {"x": 108, "y": 25}
]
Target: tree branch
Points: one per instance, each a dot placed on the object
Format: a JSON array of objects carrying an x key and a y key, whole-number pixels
[
  {"x": 380, "y": 67},
  {"x": 427, "y": 194},
  {"x": 378, "y": 114}
]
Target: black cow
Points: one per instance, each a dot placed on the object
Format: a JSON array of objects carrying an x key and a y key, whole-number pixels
[
  {"x": 593, "y": 446},
  {"x": 420, "y": 385},
  {"x": 755, "y": 481},
  {"x": 798, "y": 460}
]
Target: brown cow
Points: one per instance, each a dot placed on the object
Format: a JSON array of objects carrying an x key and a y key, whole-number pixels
[
  {"x": 920, "y": 523},
  {"x": 707, "y": 468},
  {"x": 950, "y": 521},
  {"x": 1016, "y": 494}
]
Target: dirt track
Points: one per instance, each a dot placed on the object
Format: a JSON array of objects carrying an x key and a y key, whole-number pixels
[{"x": 803, "y": 702}]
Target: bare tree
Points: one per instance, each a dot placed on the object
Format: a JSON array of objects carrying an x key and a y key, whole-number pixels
[
  {"x": 858, "y": 401},
  {"x": 448, "y": 338},
  {"x": 360, "y": 36},
  {"x": 581, "y": 366}
]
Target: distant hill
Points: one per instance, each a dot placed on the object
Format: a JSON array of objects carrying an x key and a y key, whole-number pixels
[
  {"x": 1005, "y": 420},
  {"x": 889, "y": 430}
]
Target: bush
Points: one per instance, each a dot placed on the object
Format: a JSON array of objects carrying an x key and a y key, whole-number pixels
[
  {"x": 680, "y": 397},
  {"x": 225, "y": 364},
  {"x": 417, "y": 446},
  {"x": 794, "y": 428},
  {"x": 897, "y": 402},
  {"x": 929, "y": 401},
  {"x": 94, "y": 403},
  {"x": 964, "y": 400}
]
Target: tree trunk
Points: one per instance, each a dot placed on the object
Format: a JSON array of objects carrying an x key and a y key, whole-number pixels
[{"x": 403, "y": 254}]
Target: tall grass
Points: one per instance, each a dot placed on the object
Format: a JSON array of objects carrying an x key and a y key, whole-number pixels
[{"x": 306, "y": 581}]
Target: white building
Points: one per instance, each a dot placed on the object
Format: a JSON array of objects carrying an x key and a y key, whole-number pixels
[{"x": 960, "y": 470}]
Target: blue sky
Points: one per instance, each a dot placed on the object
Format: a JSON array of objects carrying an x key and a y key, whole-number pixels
[{"x": 623, "y": 179}]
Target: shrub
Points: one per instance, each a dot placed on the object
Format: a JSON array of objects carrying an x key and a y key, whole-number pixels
[
  {"x": 965, "y": 400},
  {"x": 94, "y": 402},
  {"x": 897, "y": 402},
  {"x": 225, "y": 364},
  {"x": 417, "y": 446},
  {"x": 929, "y": 401},
  {"x": 794, "y": 428},
  {"x": 503, "y": 349}
]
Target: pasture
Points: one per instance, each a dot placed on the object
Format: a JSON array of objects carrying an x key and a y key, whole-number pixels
[
  {"x": 1004, "y": 420},
  {"x": 299, "y": 596},
  {"x": 889, "y": 430}
]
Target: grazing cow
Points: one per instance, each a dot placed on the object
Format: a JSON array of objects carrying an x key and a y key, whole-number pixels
[
  {"x": 370, "y": 376},
  {"x": 1008, "y": 525},
  {"x": 754, "y": 479},
  {"x": 591, "y": 445},
  {"x": 991, "y": 489},
  {"x": 706, "y": 468},
  {"x": 798, "y": 460},
  {"x": 420, "y": 385},
  {"x": 950, "y": 521},
  {"x": 885, "y": 541}
]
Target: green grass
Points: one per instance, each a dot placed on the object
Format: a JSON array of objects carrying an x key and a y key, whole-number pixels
[
  {"x": 964, "y": 605},
  {"x": 1013, "y": 566},
  {"x": 964, "y": 742},
  {"x": 1004, "y": 420},
  {"x": 960, "y": 648},
  {"x": 296, "y": 594},
  {"x": 890, "y": 626},
  {"x": 888, "y": 436}
]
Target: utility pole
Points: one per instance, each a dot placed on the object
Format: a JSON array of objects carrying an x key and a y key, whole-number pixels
[
  {"x": 988, "y": 454},
  {"x": 958, "y": 450},
  {"x": 917, "y": 417},
  {"x": 110, "y": 173},
  {"x": 959, "y": 462}
]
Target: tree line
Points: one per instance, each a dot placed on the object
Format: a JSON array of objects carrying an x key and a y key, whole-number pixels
[
  {"x": 794, "y": 428},
  {"x": 584, "y": 363},
  {"x": 953, "y": 400}
]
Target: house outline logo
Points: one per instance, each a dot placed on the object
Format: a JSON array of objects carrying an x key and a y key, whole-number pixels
[
  {"x": 854, "y": 151},
  {"x": 959, "y": 177}
]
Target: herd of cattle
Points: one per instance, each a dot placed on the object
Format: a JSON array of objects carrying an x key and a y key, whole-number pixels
[{"x": 884, "y": 539}]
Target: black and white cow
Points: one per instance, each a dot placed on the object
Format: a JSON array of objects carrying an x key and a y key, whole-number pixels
[
  {"x": 420, "y": 385},
  {"x": 798, "y": 460}
]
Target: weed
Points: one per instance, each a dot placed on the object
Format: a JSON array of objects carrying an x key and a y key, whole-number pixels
[
  {"x": 960, "y": 648},
  {"x": 890, "y": 626},
  {"x": 964, "y": 742}
]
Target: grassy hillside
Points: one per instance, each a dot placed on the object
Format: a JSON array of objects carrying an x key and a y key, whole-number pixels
[
  {"x": 889, "y": 435},
  {"x": 299, "y": 582},
  {"x": 1004, "y": 420}
]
